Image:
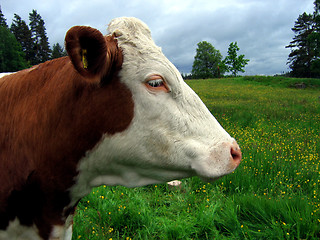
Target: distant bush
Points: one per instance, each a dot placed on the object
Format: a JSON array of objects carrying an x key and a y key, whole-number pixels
[{"x": 281, "y": 81}]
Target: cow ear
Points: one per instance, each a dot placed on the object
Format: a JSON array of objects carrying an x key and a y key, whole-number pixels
[{"x": 92, "y": 54}]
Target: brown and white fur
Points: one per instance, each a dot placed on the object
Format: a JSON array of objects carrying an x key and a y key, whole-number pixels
[{"x": 115, "y": 112}]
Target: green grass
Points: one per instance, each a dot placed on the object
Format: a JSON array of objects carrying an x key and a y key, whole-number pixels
[{"x": 274, "y": 194}]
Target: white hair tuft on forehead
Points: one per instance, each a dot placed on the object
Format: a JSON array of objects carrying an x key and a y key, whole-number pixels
[
  {"x": 129, "y": 27},
  {"x": 134, "y": 38}
]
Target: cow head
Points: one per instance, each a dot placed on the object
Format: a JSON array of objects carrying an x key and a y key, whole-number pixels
[{"x": 172, "y": 134}]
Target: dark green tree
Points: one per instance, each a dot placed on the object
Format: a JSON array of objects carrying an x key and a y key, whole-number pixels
[
  {"x": 57, "y": 51},
  {"x": 314, "y": 40},
  {"x": 302, "y": 51},
  {"x": 3, "y": 21},
  {"x": 23, "y": 35},
  {"x": 233, "y": 62},
  {"x": 11, "y": 54},
  {"x": 39, "y": 36},
  {"x": 207, "y": 61}
]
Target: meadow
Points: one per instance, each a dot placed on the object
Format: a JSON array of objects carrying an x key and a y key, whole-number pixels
[{"x": 274, "y": 194}]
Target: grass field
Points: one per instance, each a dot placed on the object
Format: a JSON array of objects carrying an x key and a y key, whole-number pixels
[{"x": 274, "y": 194}]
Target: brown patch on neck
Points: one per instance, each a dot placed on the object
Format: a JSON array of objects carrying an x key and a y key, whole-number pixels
[{"x": 51, "y": 117}]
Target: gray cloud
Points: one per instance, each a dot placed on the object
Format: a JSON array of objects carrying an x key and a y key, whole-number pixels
[{"x": 261, "y": 28}]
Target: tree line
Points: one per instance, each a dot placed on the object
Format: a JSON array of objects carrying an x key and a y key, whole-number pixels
[
  {"x": 304, "y": 59},
  {"x": 23, "y": 45}
]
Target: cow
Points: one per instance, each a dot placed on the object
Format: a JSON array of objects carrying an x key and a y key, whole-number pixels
[{"x": 115, "y": 111}]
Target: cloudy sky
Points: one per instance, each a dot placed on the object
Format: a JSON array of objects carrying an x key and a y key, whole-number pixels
[{"x": 262, "y": 28}]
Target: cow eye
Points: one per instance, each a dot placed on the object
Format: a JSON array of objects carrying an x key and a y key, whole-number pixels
[{"x": 156, "y": 83}]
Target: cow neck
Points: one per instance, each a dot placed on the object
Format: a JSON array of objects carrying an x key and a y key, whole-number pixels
[{"x": 54, "y": 116}]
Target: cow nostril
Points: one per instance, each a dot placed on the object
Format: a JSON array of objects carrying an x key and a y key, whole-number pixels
[{"x": 236, "y": 153}]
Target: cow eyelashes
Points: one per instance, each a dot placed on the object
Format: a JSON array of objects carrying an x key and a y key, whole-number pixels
[{"x": 156, "y": 83}]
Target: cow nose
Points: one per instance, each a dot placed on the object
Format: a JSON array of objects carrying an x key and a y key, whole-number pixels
[{"x": 235, "y": 154}]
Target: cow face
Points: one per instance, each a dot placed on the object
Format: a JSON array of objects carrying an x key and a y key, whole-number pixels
[{"x": 172, "y": 134}]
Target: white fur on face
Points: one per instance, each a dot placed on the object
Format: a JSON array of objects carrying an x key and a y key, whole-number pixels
[{"x": 172, "y": 135}]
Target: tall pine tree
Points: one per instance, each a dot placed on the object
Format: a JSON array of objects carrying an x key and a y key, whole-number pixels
[
  {"x": 38, "y": 33},
  {"x": 3, "y": 21},
  {"x": 304, "y": 59},
  {"x": 314, "y": 38},
  {"x": 23, "y": 35},
  {"x": 302, "y": 54}
]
